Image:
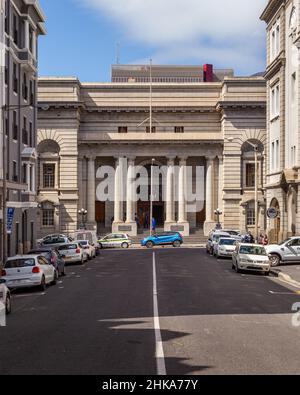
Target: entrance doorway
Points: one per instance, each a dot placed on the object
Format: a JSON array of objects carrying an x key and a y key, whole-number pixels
[
  {"x": 275, "y": 224},
  {"x": 143, "y": 213}
]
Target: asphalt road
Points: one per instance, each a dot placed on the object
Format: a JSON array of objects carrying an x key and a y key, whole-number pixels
[{"x": 100, "y": 319}]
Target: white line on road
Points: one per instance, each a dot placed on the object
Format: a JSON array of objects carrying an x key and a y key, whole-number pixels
[{"x": 160, "y": 358}]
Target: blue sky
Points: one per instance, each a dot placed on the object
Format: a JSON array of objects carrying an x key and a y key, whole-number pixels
[{"x": 82, "y": 35}]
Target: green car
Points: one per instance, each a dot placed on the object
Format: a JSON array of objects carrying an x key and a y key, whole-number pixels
[{"x": 115, "y": 240}]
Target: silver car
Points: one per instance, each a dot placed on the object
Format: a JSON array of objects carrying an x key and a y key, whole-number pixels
[
  {"x": 225, "y": 247},
  {"x": 251, "y": 257},
  {"x": 5, "y": 297},
  {"x": 286, "y": 252}
]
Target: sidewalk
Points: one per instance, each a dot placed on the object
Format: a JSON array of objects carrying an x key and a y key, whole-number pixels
[{"x": 288, "y": 273}]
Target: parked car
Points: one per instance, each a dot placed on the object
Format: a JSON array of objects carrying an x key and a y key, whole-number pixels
[
  {"x": 164, "y": 238},
  {"x": 286, "y": 252},
  {"x": 5, "y": 297},
  {"x": 53, "y": 257},
  {"x": 88, "y": 248},
  {"x": 54, "y": 241},
  {"x": 23, "y": 271},
  {"x": 115, "y": 240},
  {"x": 225, "y": 247},
  {"x": 89, "y": 235},
  {"x": 73, "y": 253},
  {"x": 214, "y": 239},
  {"x": 251, "y": 257}
]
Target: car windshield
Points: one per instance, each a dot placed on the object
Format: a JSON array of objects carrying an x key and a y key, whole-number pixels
[
  {"x": 253, "y": 250},
  {"x": 284, "y": 241},
  {"x": 68, "y": 247},
  {"x": 83, "y": 242},
  {"x": 227, "y": 242},
  {"x": 15, "y": 263}
]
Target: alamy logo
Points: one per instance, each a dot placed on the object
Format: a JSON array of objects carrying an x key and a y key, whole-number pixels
[
  {"x": 174, "y": 183},
  {"x": 296, "y": 316},
  {"x": 2, "y": 315}
]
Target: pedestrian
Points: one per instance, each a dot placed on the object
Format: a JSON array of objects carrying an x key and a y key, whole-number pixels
[
  {"x": 153, "y": 224},
  {"x": 265, "y": 240},
  {"x": 261, "y": 239},
  {"x": 146, "y": 221},
  {"x": 251, "y": 238},
  {"x": 137, "y": 220}
]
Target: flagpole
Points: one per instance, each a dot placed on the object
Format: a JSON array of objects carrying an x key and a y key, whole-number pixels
[{"x": 150, "y": 95}]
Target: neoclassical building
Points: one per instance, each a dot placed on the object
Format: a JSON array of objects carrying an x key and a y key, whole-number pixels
[
  {"x": 283, "y": 121},
  {"x": 203, "y": 123}
]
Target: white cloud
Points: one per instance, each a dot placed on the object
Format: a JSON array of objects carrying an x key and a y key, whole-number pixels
[{"x": 188, "y": 27}]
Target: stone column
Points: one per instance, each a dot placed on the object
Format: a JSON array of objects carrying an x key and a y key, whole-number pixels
[
  {"x": 130, "y": 200},
  {"x": 209, "y": 222},
  {"x": 221, "y": 186},
  {"x": 118, "y": 204},
  {"x": 183, "y": 225},
  {"x": 91, "y": 193},
  {"x": 80, "y": 184},
  {"x": 170, "y": 195},
  {"x": 26, "y": 28}
]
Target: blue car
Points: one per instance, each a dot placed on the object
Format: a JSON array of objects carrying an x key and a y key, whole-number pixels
[{"x": 164, "y": 238}]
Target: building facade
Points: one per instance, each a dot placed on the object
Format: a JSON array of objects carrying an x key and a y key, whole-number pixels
[
  {"x": 21, "y": 24},
  {"x": 282, "y": 75},
  {"x": 93, "y": 127}
]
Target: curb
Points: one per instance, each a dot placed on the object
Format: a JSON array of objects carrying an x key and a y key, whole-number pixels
[{"x": 285, "y": 278}]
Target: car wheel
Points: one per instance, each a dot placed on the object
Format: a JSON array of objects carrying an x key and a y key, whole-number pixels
[
  {"x": 149, "y": 244},
  {"x": 125, "y": 245},
  {"x": 63, "y": 272},
  {"x": 237, "y": 268},
  {"x": 43, "y": 284},
  {"x": 8, "y": 305},
  {"x": 89, "y": 257},
  {"x": 100, "y": 246},
  {"x": 176, "y": 244},
  {"x": 54, "y": 282},
  {"x": 275, "y": 260},
  {"x": 233, "y": 267},
  {"x": 267, "y": 274}
]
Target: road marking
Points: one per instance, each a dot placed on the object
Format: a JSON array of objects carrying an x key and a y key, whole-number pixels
[
  {"x": 284, "y": 293},
  {"x": 160, "y": 357}
]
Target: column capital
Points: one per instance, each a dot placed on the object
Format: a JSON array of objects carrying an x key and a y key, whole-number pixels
[
  {"x": 91, "y": 158},
  {"x": 210, "y": 158},
  {"x": 171, "y": 160}
]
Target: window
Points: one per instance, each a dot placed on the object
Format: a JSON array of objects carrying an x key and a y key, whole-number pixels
[
  {"x": 16, "y": 29},
  {"x": 275, "y": 41},
  {"x": 250, "y": 215},
  {"x": 6, "y": 17},
  {"x": 24, "y": 173},
  {"x": 17, "y": 238},
  {"x": 31, "y": 137},
  {"x": 6, "y": 68},
  {"x": 122, "y": 129},
  {"x": 250, "y": 175},
  {"x": 274, "y": 155},
  {"x": 293, "y": 155},
  {"x": 15, "y": 126},
  {"x": 25, "y": 87},
  {"x": 15, "y": 78},
  {"x": 32, "y": 96},
  {"x": 48, "y": 217},
  {"x": 6, "y": 125},
  {"x": 15, "y": 172},
  {"x": 31, "y": 40},
  {"x": 49, "y": 176},
  {"x": 148, "y": 129},
  {"x": 25, "y": 132},
  {"x": 179, "y": 129},
  {"x": 275, "y": 102}
]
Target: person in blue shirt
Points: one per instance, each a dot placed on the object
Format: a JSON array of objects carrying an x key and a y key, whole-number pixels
[{"x": 153, "y": 224}]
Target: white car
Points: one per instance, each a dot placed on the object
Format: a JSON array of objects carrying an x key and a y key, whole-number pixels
[
  {"x": 24, "y": 271},
  {"x": 89, "y": 248},
  {"x": 213, "y": 240},
  {"x": 89, "y": 235},
  {"x": 73, "y": 253},
  {"x": 5, "y": 297},
  {"x": 225, "y": 247},
  {"x": 251, "y": 257},
  {"x": 286, "y": 252},
  {"x": 115, "y": 240}
]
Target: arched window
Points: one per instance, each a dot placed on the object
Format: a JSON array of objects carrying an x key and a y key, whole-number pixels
[
  {"x": 293, "y": 19},
  {"x": 48, "y": 151}
]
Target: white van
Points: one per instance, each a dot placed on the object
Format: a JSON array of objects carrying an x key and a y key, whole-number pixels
[{"x": 89, "y": 235}]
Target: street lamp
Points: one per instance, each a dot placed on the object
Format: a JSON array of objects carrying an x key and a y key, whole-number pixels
[
  {"x": 83, "y": 214},
  {"x": 218, "y": 213},
  {"x": 151, "y": 195},
  {"x": 4, "y": 111}
]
